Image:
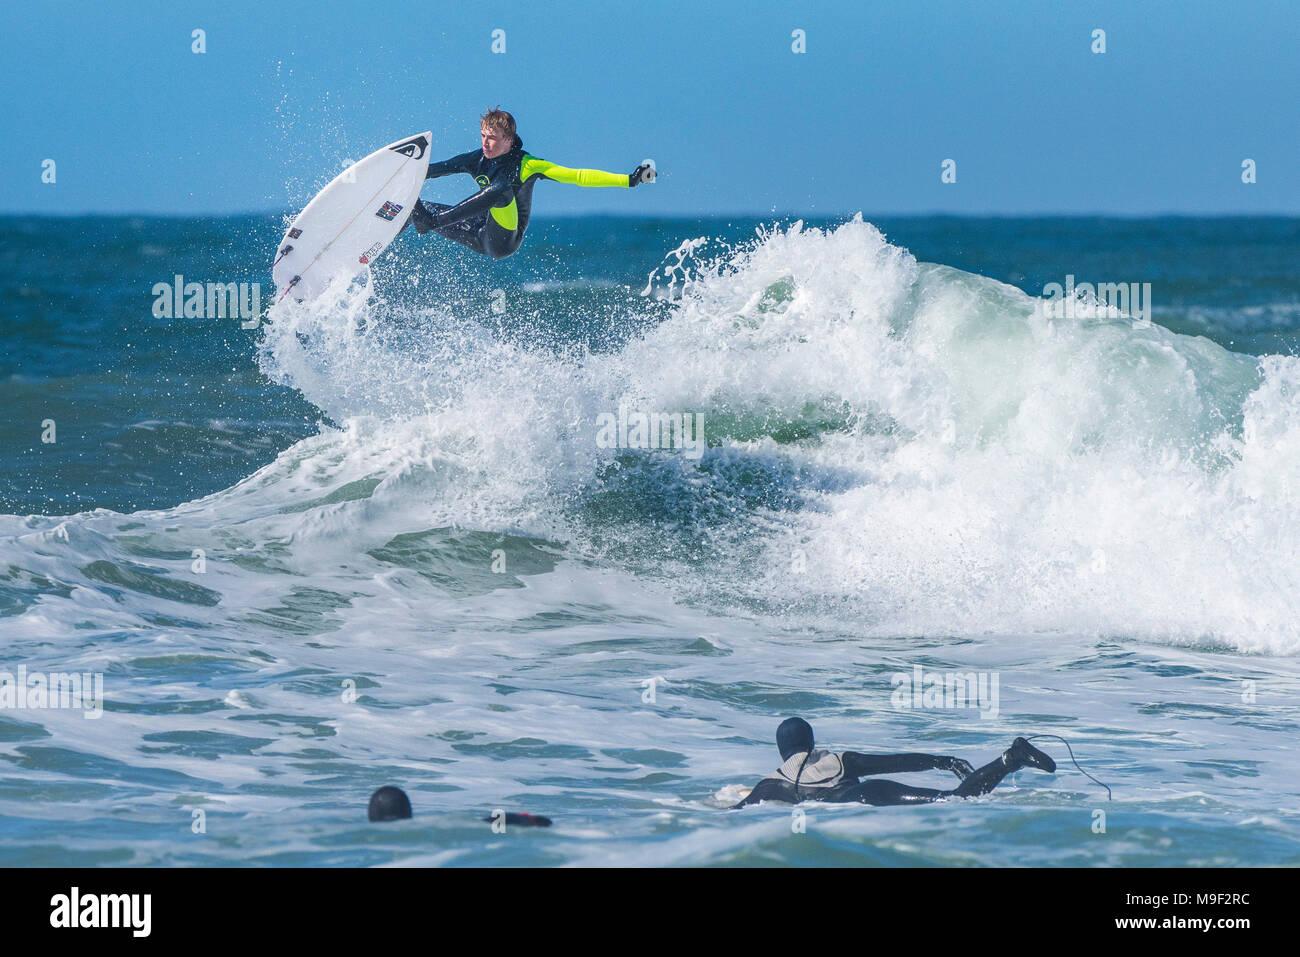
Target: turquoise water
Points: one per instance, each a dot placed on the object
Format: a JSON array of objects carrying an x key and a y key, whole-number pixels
[{"x": 420, "y": 567}]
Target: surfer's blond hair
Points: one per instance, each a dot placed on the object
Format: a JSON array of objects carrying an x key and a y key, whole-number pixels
[{"x": 499, "y": 121}]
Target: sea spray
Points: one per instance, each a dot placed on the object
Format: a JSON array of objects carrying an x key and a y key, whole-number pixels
[{"x": 948, "y": 456}]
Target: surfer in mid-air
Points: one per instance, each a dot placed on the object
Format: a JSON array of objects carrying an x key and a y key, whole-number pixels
[
  {"x": 811, "y": 774},
  {"x": 493, "y": 220}
]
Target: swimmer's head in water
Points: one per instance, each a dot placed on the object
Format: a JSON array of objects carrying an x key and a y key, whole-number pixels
[
  {"x": 389, "y": 804},
  {"x": 795, "y": 735}
]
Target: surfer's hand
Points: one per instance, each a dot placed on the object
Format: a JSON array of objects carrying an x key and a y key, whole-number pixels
[
  {"x": 958, "y": 767},
  {"x": 422, "y": 218},
  {"x": 636, "y": 175}
]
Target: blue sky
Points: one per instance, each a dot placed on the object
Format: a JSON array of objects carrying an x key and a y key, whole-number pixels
[{"x": 737, "y": 122}]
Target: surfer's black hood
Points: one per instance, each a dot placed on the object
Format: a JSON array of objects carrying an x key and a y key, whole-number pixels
[{"x": 794, "y": 736}]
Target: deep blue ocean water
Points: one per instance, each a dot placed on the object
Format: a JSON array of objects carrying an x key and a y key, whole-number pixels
[{"x": 378, "y": 541}]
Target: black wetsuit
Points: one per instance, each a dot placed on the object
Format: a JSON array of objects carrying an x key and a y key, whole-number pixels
[
  {"x": 493, "y": 220},
  {"x": 825, "y": 776}
]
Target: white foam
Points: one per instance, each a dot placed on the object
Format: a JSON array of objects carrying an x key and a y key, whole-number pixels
[{"x": 919, "y": 448}]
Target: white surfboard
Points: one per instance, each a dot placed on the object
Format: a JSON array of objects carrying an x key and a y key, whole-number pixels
[{"x": 352, "y": 220}]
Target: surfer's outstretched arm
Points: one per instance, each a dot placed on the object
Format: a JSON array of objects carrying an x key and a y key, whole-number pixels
[
  {"x": 533, "y": 166},
  {"x": 858, "y": 765}
]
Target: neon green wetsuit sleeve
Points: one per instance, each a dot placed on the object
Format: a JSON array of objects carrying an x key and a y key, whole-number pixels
[{"x": 532, "y": 166}]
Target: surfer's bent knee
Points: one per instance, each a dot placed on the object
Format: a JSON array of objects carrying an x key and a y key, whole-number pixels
[{"x": 498, "y": 246}]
